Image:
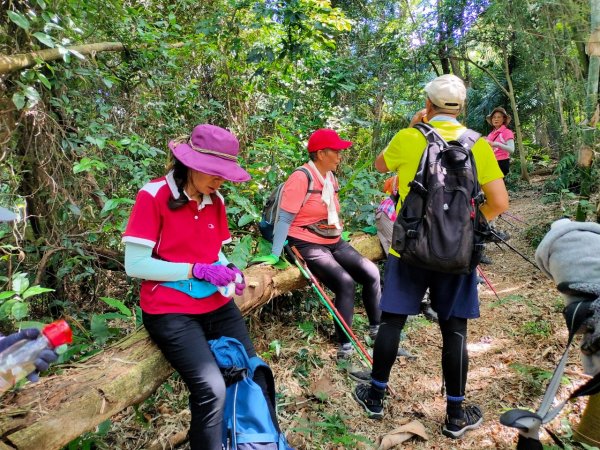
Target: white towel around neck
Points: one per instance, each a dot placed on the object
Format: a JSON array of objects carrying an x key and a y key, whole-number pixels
[{"x": 328, "y": 196}]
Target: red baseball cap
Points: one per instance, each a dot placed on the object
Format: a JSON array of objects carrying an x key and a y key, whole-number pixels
[{"x": 326, "y": 138}]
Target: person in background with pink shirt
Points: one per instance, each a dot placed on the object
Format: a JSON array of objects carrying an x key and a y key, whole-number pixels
[
  {"x": 501, "y": 138},
  {"x": 314, "y": 227}
]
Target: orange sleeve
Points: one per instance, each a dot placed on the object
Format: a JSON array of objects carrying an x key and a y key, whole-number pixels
[{"x": 294, "y": 191}]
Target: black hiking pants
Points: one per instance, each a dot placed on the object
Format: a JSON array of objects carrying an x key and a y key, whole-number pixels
[
  {"x": 183, "y": 339},
  {"x": 340, "y": 267}
]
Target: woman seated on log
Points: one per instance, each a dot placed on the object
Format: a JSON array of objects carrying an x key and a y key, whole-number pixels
[
  {"x": 311, "y": 224},
  {"x": 173, "y": 242}
]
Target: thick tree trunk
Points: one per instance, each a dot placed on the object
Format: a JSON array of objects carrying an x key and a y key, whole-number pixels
[
  {"x": 21, "y": 61},
  {"x": 49, "y": 414},
  {"x": 593, "y": 51},
  {"x": 518, "y": 131}
]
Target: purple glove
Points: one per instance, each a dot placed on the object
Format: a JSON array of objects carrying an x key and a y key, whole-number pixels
[
  {"x": 44, "y": 358},
  {"x": 216, "y": 274},
  {"x": 239, "y": 287},
  {"x": 27, "y": 333},
  {"x": 42, "y": 363}
]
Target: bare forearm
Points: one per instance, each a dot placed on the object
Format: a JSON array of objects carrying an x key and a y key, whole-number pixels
[{"x": 496, "y": 199}]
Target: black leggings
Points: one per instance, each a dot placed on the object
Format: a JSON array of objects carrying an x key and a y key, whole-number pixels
[
  {"x": 183, "y": 339},
  {"x": 339, "y": 267},
  {"x": 455, "y": 359}
]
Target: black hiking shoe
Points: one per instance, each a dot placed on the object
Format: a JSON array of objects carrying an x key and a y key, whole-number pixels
[
  {"x": 485, "y": 260},
  {"x": 345, "y": 351},
  {"x": 455, "y": 427},
  {"x": 373, "y": 330},
  {"x": 405, "y": 353},
  {"x": 499, "y": 235},
  {"x": 373, "y": 406}
]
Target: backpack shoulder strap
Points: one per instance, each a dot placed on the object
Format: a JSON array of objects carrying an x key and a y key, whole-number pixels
[
  {"x": 310, "y": 189},
  {"x": 468, "y": 138},
  {"x": 429, "y": 132}
]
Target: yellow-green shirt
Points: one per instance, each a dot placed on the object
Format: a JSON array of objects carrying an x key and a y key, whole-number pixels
[{"x": 404, "y": 152}]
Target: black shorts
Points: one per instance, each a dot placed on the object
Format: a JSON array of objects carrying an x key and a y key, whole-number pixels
[{"x": 504, "y": 165}]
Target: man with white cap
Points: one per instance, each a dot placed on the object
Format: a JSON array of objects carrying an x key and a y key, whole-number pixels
[{"x": 453, "y": 297}]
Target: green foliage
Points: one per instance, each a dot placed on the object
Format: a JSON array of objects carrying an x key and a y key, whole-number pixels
[
  {"x": 15, "y": 302},
  {"x": 541, "y": 328},
  {"x": 535, "y": 378},
  {"x": 307, "y": 330},
  {"x": 507, "y": 300},
  {"x": 92, "y": 440},
  {"x": 330, "y": 429},
  {"x": 305, "y": 362},
  {"x": 535, "y": 233},
  {"x": 274, "y": 350}
]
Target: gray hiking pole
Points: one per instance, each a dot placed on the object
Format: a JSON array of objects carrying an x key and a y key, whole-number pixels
[
  {"x": 304, "y": 270},
  {"x": 496, "y": 239},
  {"x": 529, "y": 423}
]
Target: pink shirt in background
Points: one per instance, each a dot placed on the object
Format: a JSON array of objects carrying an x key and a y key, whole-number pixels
[
  {"x": 314, "y": 210},
  {"x": 501, "y": 135}
]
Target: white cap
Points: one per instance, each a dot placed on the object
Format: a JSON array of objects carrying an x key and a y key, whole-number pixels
[
  {"x": 6, "y": 215},
  {"x": 447, "y": 92}
]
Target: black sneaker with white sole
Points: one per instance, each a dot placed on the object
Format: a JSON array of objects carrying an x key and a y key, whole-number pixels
[
  {"x": 455, "y": 427},
  {"x": 364, "y": 394}
]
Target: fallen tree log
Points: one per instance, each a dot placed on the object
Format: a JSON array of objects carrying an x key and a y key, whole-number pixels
[{"x": 51, "y": 413}]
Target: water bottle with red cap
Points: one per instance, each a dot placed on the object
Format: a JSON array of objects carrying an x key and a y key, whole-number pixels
[{"x": 19, "y": 359}]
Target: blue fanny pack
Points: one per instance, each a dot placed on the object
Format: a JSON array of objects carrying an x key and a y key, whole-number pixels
[{"x": 192, "y": 287}]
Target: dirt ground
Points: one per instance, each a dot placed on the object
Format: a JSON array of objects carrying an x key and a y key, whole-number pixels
[{"x": 513, "y": 350}]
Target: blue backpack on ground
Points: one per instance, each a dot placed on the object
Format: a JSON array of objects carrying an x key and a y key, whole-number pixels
[
  {"x": 247, "y": 422},
  {"x": 270, "y": 212}
]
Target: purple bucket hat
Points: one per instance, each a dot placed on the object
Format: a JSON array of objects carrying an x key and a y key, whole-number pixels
[{"x": 212, "y": 150}]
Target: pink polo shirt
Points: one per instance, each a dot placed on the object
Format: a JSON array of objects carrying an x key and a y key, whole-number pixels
[
  {"x": 314, "y": 210},
  {"x": 191, "y": 234},
  {"x": 501, "y": 135}
]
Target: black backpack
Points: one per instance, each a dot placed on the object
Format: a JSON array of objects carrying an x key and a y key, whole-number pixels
[{"x": 439, "y": 226}]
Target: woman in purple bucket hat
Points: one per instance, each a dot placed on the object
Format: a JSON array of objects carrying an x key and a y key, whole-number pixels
[{"x": 173, "y": 243}]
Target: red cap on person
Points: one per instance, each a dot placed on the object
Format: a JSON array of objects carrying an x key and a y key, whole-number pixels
[{"x": 326, "y": 138}]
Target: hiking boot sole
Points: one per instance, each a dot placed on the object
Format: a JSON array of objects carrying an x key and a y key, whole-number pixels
[
  {"x": 371, "y": 414},
  {"x": 458, "y": 433}
]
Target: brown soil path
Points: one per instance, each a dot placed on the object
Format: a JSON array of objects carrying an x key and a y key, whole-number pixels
[{"x": 517, "y": 339}]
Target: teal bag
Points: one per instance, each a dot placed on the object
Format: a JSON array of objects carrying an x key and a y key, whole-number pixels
[{"x": 192, "y": 287}]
